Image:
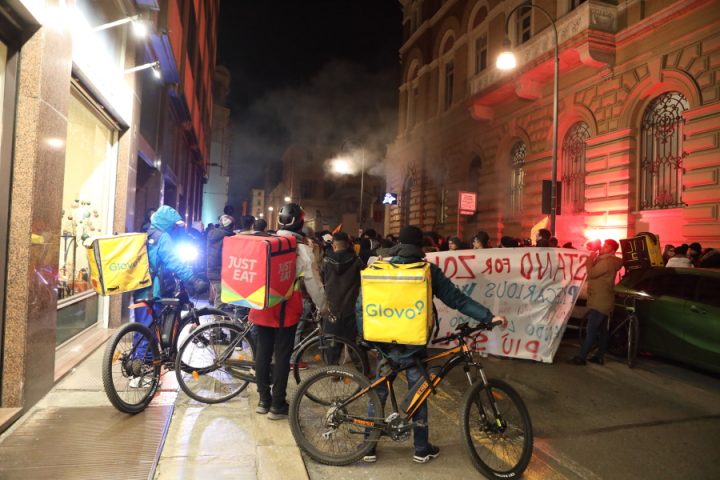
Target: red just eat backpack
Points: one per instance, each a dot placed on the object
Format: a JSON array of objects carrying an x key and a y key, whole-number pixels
[{"x": 258, "y": 271}]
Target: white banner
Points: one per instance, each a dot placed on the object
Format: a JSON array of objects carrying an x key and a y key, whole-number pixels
[{"x": 535, "y": 288}]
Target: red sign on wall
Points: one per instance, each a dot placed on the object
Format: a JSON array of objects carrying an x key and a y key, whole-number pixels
[{"x": 467, "y": 202}]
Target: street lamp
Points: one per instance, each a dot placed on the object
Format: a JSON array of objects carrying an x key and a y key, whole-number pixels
[
  {"x": 344, "y": 166},
  {"x": 287, "y": 199},
  {"x": 506, "y": 61}
]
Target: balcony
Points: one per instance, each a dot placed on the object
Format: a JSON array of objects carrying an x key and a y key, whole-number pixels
[{"x": 586, "y": 37}]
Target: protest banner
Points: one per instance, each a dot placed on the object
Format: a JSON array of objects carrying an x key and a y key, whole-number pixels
[{"x": 535, "y": 288}]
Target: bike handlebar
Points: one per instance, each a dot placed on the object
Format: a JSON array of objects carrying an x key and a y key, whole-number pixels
[{"x": 464, "y": 330}]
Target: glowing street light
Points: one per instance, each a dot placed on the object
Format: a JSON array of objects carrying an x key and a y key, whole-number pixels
[
  {"x": 287, "y": 199},
  {"x": 341, "y": 166},
  {"x": 507, "y": 61}
]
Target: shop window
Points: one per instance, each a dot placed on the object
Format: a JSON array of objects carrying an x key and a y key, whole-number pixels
[
  {"x": 661, "y": 161},
  {"x": 573, "y": 162},
  {"x": 517, "y": 163}
]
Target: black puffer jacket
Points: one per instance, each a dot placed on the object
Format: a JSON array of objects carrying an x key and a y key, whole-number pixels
[
  {"x": 341, "y": 276},
  {"x": 214, "y": 250}
]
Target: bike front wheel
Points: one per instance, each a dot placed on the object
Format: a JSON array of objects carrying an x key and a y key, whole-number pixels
[
  {"x": 496, "y": 429},
  {"x": 325, "y": 350},
  {"x": 324, "y": 429},
  {"x": 213, "y": 362},
  {"x": 131, "y": 368}
]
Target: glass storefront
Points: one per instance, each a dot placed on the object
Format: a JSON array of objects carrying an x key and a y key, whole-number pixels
[{"x": 87, "y": 210}]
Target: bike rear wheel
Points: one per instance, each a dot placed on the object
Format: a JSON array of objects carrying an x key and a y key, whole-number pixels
[
  {"x": 207, "y": 364},
  {"x": 131, "y": 368},
  {"x": 633, "y": 332},
  {"x": 321, "y": 428},
  {"x": 325, "y": 350},
  {"x": 496, "y": 429}
]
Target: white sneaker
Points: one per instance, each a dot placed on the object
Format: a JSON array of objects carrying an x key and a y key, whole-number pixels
[{"x": 140, "y": 382}]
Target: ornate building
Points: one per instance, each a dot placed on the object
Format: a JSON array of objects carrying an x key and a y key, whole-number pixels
[{"x": 639, "y": 118}]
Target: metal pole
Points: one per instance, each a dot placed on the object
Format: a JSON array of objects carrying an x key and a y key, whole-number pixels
[{"x": 362, "y": 186}]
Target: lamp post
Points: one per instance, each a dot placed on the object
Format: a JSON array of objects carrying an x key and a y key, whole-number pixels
[
  {"x": 344, "y": 166},
  {"x": 507, "y": 61}
]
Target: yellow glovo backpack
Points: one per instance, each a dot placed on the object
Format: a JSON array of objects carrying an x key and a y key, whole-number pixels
[
  {"x": 397, "y": 303},
  {"x": 119, "y": 263}
]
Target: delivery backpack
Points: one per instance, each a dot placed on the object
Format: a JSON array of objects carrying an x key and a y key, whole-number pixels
[
  {"x": 119, "y": 263},
  {"x": 258, "y": 270},
  {"x": 397, "y": 303}
]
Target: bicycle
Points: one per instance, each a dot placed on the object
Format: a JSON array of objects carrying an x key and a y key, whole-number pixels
[
  {"x": 624, "y": 334},
  {"x": 216, "y": 369},
  {"x": 495, "y": 424},
  {"x": 136, "y": 354}
]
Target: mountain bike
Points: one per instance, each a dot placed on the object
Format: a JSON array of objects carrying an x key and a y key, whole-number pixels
[
  {"x": 330, "y": 421},
  {"x": 136, "y": 355},
  {"x": 218, "y": 358}
]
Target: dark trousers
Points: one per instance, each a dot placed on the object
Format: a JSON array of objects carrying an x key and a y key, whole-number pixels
[
  {"x": 345, "y": 327},
  {"x": 597, "y": 325},
  {"x": 279, "y": 341}
]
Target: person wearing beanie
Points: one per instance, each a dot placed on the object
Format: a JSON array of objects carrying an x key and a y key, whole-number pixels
[
  {"x": 410, "y": 250},
  {"x": 275, "y": 327},
  {"x": 214, "y": 255}
]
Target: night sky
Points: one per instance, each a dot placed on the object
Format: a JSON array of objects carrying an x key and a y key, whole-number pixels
[{"x": 310, "y": 72}]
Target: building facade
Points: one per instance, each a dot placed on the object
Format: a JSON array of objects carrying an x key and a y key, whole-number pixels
[
  {"x": 638, "y": 122},
  {"x": 72, "y": 78}
]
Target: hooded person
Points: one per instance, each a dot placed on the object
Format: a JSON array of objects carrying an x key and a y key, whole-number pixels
[
  {"x": 341, "y": 276},
  {"x": 275, "y": 327},
  {"x": 410, "y": 250},
  {"x": 214, "y": 255}
]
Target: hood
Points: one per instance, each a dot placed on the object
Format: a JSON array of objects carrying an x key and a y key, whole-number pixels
[
  {"x": 406, "y": 253},
  {"x": 340, "y": 261},
  {"x": 165, "y": 218}
]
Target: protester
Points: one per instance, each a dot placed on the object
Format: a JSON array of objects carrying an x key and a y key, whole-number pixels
[
  {"x": 481, "y": 240},
  {"x": 276, "y": 325},
  {"x": 543, "y": 238},
  {"x": 454, "y": 243},
  {"x": 247, "y": 223},
  {"x": 214, "y": 255},
  {"x": 668, "y": 253},
  {"x": 680, "y": 260},
  {"x": 508, "y": 242},
  {"x": 694, "y": 253},
  {"x": 410, "y": 250},
  {"x": 603, "y": 266},
  {"x": 554, "y": 242},
  {"x": 260, "y": 225},
  {"x": 710, "y": 258}
]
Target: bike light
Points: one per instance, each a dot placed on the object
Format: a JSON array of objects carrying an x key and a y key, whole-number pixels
[{"x": 187, "y": 252}]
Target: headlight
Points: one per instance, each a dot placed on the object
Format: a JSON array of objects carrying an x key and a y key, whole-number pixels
[{"x": 187, "y": 252}]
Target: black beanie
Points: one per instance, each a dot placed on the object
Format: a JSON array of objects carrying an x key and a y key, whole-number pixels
[{"x": 411, "y": 235}]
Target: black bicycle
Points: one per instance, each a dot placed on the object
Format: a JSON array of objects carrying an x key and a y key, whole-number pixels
[
  {"x": 330, "y": 421},
  {"x": 136, "y": 355},
  {"x": 218, "y": 358}
]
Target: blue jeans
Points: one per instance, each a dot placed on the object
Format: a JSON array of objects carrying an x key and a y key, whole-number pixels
[
  {"x": 306, "y": 316},
  {"x": 143, "y": 317},
  {"x": 420, "y": 431},
  {"x": 597, "y": 323}
]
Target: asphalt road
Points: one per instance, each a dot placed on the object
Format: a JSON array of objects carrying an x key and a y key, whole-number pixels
[{"x": 656, "y": 421}]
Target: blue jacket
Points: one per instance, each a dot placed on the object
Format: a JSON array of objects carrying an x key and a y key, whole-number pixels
[
  {"x": 442, "y": 288},
  {"x": 164, "y": 262}
]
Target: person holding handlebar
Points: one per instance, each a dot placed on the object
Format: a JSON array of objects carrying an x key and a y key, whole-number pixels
[{"x": 409, "y": 250}]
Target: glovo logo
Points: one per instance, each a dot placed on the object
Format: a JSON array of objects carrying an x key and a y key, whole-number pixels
[
  {"x": 119, "y": 266},
  {"x": 377, "y": 310}
]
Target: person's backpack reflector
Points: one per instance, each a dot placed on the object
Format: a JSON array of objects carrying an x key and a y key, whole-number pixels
[
  {"x": 258, "y": 271},
  {"x": 119, "y": 263},
  {"x": 397, "y": 303}
]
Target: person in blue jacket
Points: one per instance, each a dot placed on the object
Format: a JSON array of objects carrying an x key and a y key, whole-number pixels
[
  {"x": 165, "y": 266},
  {"x": 409, "y": 250}
]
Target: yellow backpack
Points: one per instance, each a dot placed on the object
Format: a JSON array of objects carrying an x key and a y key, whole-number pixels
[
  {"x": 119, "y": 263},
  {"x": 397, "y": 303}
]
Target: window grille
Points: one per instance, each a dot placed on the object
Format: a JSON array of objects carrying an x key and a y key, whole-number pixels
[
  {"x": 524, "y": 24},
  {"x": 517, "y": 161},
  {"x": 481, "y": 53},
  {"x": 661, "y": 161},
  {"x": 573, "y": 177}
]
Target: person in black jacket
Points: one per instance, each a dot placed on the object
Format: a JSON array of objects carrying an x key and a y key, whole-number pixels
[
  {"x": 341, "y": 275},
  {"x": 214, "y": 255}
]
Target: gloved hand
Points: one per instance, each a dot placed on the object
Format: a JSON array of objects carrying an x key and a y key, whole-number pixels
[{"x": 197, "y": 286}]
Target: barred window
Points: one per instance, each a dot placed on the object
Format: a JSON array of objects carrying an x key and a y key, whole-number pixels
[
  {"x": 481, "y": 53},
  {"x": 517, "y": 161},
  {"x": 661, "y": 161},
  {"x": 573, "y": 177},
  {"x": 524, "y": 23}
]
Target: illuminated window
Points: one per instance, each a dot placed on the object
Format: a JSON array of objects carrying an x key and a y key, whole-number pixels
[
  {"x": 481, "y": 53},
  {"x": 449, "y": 80},
  {"x": 524, "y": 24},
  {"x": 661, "y": 161},
  {"x": 573, "y": 177},
  {"x": 517, "y": 162}
]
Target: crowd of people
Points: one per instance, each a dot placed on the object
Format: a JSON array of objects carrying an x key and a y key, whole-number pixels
[{"x": 691, "y": 256}]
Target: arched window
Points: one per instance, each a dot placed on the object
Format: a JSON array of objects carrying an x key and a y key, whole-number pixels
[
  {"x": 479, "y": 41},
  {"x": 413, "y": 96},
  {"x": 517, "y": 162},
  {"x": 573, "y": 177},
  {"x": 447, "y": 78},
  {"x": 661, "y": 160}
]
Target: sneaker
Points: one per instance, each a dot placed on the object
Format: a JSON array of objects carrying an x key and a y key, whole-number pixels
[
  {"x": 262, "y": 407},
  {"x": 140, "y": 382},
  {"x": 279, "y": 413},
  {"x": 576, "y": 361},
  {"x": 598, "y": 360},
  {"x": 371, "y": 457},
  {"x": 426, "y": 455}
]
